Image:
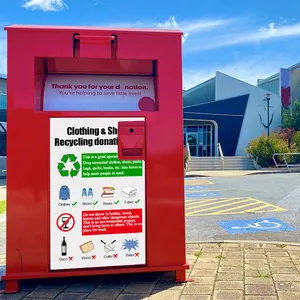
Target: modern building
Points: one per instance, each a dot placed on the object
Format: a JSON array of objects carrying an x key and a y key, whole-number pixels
[
  {"x": 285, "y": 83},
  {"x": 228, "y": 111},
  {"x": 3, "y": 105}
]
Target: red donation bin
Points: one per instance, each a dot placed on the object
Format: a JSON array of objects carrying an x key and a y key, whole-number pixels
[{"x": 95, "y": 181}]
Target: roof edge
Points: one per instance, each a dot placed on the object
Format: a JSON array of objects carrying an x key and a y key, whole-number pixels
[{"x": 89, "y": 28}]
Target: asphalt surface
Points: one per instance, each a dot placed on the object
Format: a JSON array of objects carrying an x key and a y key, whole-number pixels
[{"x": 252, "y": 197}]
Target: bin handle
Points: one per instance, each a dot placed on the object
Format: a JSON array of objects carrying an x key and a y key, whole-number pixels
[{"x": 94, "y": 37}]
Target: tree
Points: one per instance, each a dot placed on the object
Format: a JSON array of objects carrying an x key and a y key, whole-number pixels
[{"x": 291, "y": 117}]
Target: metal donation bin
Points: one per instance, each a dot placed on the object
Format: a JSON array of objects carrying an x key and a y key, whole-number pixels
[{"x": 95, "y": 181}]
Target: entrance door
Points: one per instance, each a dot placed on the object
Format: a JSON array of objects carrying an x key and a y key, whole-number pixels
[{"x": 192, "y": 139}]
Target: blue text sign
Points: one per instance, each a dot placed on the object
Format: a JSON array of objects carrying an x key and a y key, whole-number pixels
[
  {"x": 202, "y": 195},
  {"x": 256, "y": 225}
]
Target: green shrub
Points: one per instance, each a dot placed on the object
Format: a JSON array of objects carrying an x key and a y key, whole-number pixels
[{"x": 263, "y": 151}]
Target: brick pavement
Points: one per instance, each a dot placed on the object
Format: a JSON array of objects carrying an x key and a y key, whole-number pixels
[{"x": 221, "y": 271}]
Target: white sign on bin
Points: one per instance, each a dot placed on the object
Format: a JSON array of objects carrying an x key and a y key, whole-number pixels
[{"x": 99, "y": 93}]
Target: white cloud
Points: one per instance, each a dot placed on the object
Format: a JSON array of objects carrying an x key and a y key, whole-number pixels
[
  {"x": 188, "y": 27},
  {"x": 246, "y": 70},
  {"x": 45, "y": 5},
  {"x": 271, "y": 32}
]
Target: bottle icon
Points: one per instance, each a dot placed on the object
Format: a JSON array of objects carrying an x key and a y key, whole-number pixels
[{"x": 64, "y": 247}]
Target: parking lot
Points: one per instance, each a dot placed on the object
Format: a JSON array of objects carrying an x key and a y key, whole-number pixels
[{"x": 253, "y": 207}]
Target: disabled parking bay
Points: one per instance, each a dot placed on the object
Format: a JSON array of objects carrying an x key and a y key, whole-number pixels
[{"x": 266, "y": 207}]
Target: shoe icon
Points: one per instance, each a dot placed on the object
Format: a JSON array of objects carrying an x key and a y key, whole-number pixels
[
  {"x": 84, "y": 194},
  {"x": 90, "y": 193}
]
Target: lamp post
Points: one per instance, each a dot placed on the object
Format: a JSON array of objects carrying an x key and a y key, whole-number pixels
[{"x": 268, "y": 98}]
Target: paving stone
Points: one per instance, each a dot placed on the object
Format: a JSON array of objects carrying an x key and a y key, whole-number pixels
[
  {"x": 255, "y": 256},
  {"x": 261, "y": 298},
  {"x": 132, "y": 297},
  {"x": 233, "y": 270},
  {"x": 71, "y": 296},
  {"x": 229, "y": 285},
  {"x": 279, "y": 259},
  {"x": 283, "y": 264},
  {"x": 47, "y": 291},
  {"x": 288, "y": 286},
  {"x": 165, "y": 285},
  {"x": 17, "y": 296},
  {"x": 292, "y": 248},
  {"x": 202, "y": 280},
  {"x": 285, "y": 295},
  {"x": 277, "y": 254},
  {"x": 81, "y": 288},
  {"x": 203, "y": 273},
  {"x": 260, "y": 289},
  {"x": 234, "y": 263},
  {"x": 286, "y": 277},
  {"x": 231, "y": 245},
  {"x": 258, "y": 251},
  {"x": 198, "y": 289},
  {"x": 258, "y": 280},
  {"x": 284, "y": 270},
  {"x": 139, "y": 288},
  {"x": 228, "y": 295},
  {"x": 229, "y": 276},
  {"x": 250, "y": 245},
  {"x": 206, "y": 266},
  {"x": 102, "y": 293},
  {"x": 207, "y": 260},
  {"x": 257, "y": 272},
  {"x": 256, "y": 261},
  {"x": 165, "y": 295},
  {"x": 195, "y": 297}
]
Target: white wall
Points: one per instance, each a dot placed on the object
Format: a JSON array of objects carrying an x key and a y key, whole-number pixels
[{"x": 227, "y": 87}]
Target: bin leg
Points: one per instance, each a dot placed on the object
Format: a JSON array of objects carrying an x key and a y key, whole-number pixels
[
  {"x": 12, "y": 286},
  {"x": 180, "y": 277}
]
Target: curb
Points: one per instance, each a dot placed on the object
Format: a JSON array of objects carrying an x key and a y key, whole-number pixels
[
  {"x": 243, "y": 241},
  {"x": 274, "y": 172}
]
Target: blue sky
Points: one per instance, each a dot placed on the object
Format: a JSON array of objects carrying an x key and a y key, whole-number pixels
[{"x": 245, "y": 39}]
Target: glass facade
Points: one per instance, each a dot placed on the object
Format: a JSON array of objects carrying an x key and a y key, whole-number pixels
[
  {"x": 200, "y": 139},
  {"x": 3, "y": 101}
]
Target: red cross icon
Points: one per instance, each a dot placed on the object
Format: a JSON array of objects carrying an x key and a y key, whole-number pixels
[
  {"x": 93, "y": 256},
  {"x": 137, "y": 254},
  {"x": 115, "y": 255},
  {"x": 70, "y": 258}
]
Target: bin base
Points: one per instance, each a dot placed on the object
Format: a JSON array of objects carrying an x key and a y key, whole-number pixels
[
  {"x": 11, "y": 286},
  {"x": 12, "y": 280}
]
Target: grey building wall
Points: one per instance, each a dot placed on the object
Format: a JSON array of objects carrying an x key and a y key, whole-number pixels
[{"x": 3, "y": 86}]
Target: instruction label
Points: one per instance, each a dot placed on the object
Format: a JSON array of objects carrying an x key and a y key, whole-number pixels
[{"x": 97, "y": 202}]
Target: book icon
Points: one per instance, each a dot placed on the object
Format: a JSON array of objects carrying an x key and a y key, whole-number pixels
[{"x": 108, "y": 192}]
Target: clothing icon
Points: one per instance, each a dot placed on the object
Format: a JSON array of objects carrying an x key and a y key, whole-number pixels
[
  {"x": 87, "y": 193},
  {"x": 84, "y": 194},
  {"x": 64, "y": 193},
  {"x": 90, "y": 193}
]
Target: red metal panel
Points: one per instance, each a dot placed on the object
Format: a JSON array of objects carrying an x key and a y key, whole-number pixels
[{"x": 28, "y": 149}]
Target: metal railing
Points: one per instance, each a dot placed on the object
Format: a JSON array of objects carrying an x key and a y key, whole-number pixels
[
  {"x": 189, "y": 155},
  {"x": 221, "y": 155},
  {"x": 285, "y": 164}
]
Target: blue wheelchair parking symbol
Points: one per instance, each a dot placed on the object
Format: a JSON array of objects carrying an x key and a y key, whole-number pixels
[
  {"x": 202, "y": 195},
  {"x": 257, "y": 225},
  {"x": 194, "y": 187}
]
